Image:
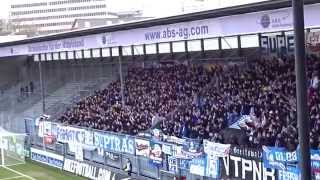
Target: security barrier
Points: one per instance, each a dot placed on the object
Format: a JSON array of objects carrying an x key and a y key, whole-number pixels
[{"x": 156, "y": 156}]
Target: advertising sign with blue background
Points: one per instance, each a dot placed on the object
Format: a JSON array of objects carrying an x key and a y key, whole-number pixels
[
  {"x": 47, "y": 158},
  {"x": 278, "y": 158}
]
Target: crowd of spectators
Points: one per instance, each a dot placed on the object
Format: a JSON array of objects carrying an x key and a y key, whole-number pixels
[
  {"x": 197, "y": 101},
  {"x": 149, "y": 93}
]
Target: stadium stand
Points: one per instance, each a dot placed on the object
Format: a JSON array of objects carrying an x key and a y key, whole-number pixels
[{"x": 197, "y": 102}]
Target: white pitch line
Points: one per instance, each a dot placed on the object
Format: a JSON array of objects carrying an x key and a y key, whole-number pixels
[
  {"x": 12, "y": 178},
  {"x": 21, "y": 174}
]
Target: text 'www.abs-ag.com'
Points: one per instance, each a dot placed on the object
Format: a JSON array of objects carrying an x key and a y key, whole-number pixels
[{"x": 185, "y": 33}]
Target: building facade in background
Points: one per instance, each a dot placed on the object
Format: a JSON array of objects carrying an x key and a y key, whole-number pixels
[{"x": 43, "y": 17}]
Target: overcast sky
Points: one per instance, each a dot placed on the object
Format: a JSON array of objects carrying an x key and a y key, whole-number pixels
[{"x": 153, "y": 8}]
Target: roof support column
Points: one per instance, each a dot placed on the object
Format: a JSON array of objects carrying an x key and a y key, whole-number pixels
[
  {"x": 101, "y": 55},
  {"x": 82, "y": 54},
  {"x": 203, "y": 54},
  {"x": 110, "y": 53},
  {"x": 239, "y": 46},
  {"x": 186, "y": 49},
  {"x": 91, "y": 53},
  {"x": 157, "y": 51},
  {"x": 67, "y": 55},
  {"x": 144, "y": 52},
  {"x": 171, "y": 50},
  {"x": 132, "y": 52},
  {"x": 301, "y": 86},
  {"x": 74, "y": 55},
  {"x": 121, "y": 76},
  {"x": 220, "y": 47},
  {"x": 42, "y": 85}
]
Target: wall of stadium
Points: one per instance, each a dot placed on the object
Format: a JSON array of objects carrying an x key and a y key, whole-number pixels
[
  {"x": 12, "y": 70},
  {"x": 259, "y": 22},
  {"x": 153, "y": 157}
]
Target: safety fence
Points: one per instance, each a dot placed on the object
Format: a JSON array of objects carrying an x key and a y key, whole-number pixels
[{"x": 97, "y": 154}]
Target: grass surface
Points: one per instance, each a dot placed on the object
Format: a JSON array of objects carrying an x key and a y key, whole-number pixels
[{"x": 36, "y": 171}]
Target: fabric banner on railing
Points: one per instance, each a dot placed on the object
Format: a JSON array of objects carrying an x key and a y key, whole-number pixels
[
  {"x": 142, "y": 147},
  {"x": 212, "y": 166},
  {"x": 156, "y": 153},
  {"x": 167, "y": 149},
  {"x": 172, "y": 164},
  {"x": 313, "y": 41},
  {"x": 216, "y": 149},
  {"x": 71, "y": 135},
  {"x": 245, "y": 163},
  {"x": 291, "y": 172},
  {"x": 78, "y": 152},
  {"x": 278, "y": 158},
  {"x": 112, "y": 156},
  {"x": 198, "y": 166},
  {"x": 177, "y": 151},
  {"x": 315, "y": 160},
  {"x": 192, "y": 148},
  {"x": 114, "y": 143},
  {"x": 173, "y": 139}
]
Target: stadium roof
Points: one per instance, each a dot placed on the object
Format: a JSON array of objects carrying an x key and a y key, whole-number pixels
[{"x": 242, "y": 9}]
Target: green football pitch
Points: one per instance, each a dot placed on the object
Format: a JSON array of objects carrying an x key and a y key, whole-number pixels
[{"x": 35, "y": 171}]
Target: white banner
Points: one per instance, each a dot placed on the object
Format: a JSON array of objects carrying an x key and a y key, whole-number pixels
[
  {"x": 142, "y": 147},
  {"x": 71, "y": 135},
  {"x": 258, "y": 22},
  {"x": 78, "y": 152},
  {"x": 313, "y": 41},
  {"x": 216, "y": 149},
  {"x": 40, "y": 129},
  {"x": 45, "y": 128}
]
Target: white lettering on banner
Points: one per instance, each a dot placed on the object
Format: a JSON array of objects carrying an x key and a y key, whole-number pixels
[
  {"x": 258, "y": 22},
  {"x": 247, "y": 168},
  {"x": 236, "y": 165},
  {"x": 73, "y": 135},
  {"x": 114, "y": 143},
  {"x": 277, "y": 44},
  {"x": 286, "y": 175},
  {"x": 88, "y": 171}
]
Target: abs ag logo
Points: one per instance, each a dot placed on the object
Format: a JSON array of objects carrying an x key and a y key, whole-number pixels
[
  {"x": 265, "y": 21},
  {"x": 107, "y": 39},
  {"x": 275, "y": 20}
]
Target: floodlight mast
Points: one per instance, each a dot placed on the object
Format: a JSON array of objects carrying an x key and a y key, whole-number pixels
[{"x": 301, "y": 87}]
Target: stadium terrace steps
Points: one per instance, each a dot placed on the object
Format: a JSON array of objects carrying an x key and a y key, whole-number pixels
[
  {"x": 63, "y": 95},
  {"x": 57, "y": 101}
]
